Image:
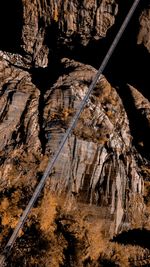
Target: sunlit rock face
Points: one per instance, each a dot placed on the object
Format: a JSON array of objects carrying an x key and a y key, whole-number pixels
[
  {"x": 97, "y": 165},
  {"x": 85, "y": 21},
  {"x": 99, "y": 177},
  {"x": 18, "y": 97},
  {"x": 68, "y": 21},
  {"x": 39, "y": 26},
  {"x": 144, "y": 32}
]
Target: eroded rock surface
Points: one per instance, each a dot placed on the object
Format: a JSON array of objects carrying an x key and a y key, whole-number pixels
[
  {"x": 144, "y": 33},
  {"x": 97, "y": 165},
  {"x": 47, "y": 23},
  {"x": 102, "y": 175},
  {"x": 101, "y": 161}
]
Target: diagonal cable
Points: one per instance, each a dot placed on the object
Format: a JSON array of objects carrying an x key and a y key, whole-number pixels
[{"x": 51, "y": 163}]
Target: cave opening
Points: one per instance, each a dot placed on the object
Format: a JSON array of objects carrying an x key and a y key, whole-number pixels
[{"x": 11, "y": 22}]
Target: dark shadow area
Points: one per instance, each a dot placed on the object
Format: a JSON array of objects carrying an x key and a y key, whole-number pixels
[
  {"x": 94, "y": 52},
  {"x": 44, "y": 78},
  {"x": 129, "y": 62},
  {"x": 11, "y": 21},
  {"x": 29, "y": 248},
  {"x": 139, "y": 126},
  {"x": 107, "y": 263},
  {"x": 70, "y": 250},
  {"x": 138, "y": 237}
]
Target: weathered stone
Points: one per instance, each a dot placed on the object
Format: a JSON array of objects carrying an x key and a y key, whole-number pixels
[
  {"x": 97, "y": 162},
  {"x": 141, "y": 103},
  {"x": 144, "y": 32},
  {"x": 18, "y": 97},
  {"x": 99, "y": 177},
  {"x": 70, "y": 19}
]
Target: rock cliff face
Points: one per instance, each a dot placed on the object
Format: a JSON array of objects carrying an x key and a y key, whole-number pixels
[
  {"x": 46, "y": 24},
  {"x": 144, "y": 32},
  {"x": 102, "y": 175}
]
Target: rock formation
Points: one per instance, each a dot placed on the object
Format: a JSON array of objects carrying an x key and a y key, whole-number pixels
[
  {"x": 143, "y": 36},
  {"x": 99, "y": 187}
]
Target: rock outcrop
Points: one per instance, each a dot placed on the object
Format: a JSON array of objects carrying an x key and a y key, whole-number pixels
[
  {"x": 101, "y": 168},
  {"x": 47, "y": 24},
  {"x": 100, "y": 176},
  {"x": 144, "y": 32}
]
